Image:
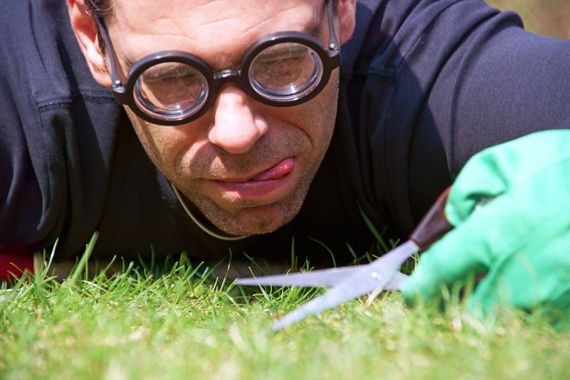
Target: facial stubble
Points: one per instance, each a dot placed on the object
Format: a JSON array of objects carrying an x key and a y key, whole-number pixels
[{"x": 265, "y": 218}]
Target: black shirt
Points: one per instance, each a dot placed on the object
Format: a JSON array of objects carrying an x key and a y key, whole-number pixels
[{"x": 425, "y": 84}]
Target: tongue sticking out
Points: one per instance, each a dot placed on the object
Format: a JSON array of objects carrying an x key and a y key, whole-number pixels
[{"x": 278, "y": 171}]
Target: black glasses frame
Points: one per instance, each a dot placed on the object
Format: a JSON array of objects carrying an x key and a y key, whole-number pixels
[{"x": 124, "y": 91}]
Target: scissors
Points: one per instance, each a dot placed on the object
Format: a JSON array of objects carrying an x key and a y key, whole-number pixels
[{"x": 350, "y": 282}]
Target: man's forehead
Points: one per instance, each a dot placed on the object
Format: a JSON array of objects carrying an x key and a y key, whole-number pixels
[
  {"x": 223, "y": 29},
  {"x": 156, "y": 16}
]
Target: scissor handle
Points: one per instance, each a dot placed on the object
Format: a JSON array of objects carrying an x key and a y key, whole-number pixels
[{"x": 434, "y": 224}]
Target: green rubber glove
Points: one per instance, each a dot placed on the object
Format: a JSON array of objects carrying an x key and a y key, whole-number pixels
[{"x": 510, "y": 207}]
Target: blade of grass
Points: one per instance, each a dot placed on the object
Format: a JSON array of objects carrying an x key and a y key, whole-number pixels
[{"x": 82, "y": 265}]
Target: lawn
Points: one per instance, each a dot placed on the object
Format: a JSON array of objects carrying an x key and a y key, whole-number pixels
[{"x": 139, "y": 324}]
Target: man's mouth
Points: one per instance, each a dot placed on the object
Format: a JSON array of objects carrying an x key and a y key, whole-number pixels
[
  {"x": 278, "y": 171},
  {"x": 268, "y": 186}
]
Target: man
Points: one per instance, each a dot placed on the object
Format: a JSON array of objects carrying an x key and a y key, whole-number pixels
[{"x": 258, "y": 142}]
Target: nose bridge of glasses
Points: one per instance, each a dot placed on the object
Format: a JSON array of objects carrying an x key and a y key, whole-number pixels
[{"x": 227, "y": 76}]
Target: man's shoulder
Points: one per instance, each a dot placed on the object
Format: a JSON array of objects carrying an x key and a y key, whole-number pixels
[
  {"x": 389, "y": 32},
  {"x": 40, "y": 53}
]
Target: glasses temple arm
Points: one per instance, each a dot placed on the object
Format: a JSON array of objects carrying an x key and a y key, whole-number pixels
[
  {"x": 333, "y": 40},
  {"x": 117, "y": 82}
]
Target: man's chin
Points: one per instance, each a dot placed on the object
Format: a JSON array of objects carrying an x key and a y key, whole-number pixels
[
  {"x": 245, "y": 218},
  {"x": 254, "y": 221}
]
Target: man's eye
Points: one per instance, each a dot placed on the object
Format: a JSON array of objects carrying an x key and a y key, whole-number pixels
[
  {"x": 184, "y": 80},
  {"x": 282, "y": 67},
  {"x": 284, "y": 64},
  {"x": 285, "y": 57},
  {"x": 168, "y": 73},
  {"x": 171, "y": 78},
  {"x": 283, "y": 70}
]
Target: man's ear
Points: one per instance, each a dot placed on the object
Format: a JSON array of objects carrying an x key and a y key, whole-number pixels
[
  {"x": 85, "y": 30},
  {"x": 347, "y": 17}
]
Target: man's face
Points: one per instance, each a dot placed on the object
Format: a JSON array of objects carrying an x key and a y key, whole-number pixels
[{"x": 245, "y": 165}]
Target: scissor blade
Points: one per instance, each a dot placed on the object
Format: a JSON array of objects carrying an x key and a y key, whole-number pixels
[
  {"x": 373, "y": 276},
  {"x": 318, "y": 278}
]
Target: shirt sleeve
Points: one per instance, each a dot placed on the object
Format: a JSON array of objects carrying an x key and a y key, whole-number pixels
[{"x": 513, "y": 84}]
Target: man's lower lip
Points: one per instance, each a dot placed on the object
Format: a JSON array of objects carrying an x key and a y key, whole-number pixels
[{"x": 253, "y": 189}]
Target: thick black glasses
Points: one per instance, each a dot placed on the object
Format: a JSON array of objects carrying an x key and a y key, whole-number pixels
[{"x": 175, "y": 87}]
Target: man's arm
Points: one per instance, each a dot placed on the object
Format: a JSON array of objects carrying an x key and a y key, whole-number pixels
[{"x": 499, "y": 83}]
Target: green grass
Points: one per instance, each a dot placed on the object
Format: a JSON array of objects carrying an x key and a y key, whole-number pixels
[{"x": 140, "y": 325}]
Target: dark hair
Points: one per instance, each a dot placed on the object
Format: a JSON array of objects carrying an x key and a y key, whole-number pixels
[
  {"x": 102, "y": 8},
  {"x": 99, "y": 8}
]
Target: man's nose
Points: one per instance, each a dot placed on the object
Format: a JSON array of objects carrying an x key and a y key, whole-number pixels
[{"x": 237, "y": 127}]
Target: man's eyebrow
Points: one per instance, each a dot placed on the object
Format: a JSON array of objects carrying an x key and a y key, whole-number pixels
[{"x": 314, "y": 29}]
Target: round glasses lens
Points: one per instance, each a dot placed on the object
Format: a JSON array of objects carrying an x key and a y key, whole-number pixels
[
  {"x": 171, "y": 90},
  {"x": 286, "y": 71}
]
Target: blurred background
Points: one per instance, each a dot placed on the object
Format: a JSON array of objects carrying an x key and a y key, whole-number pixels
[{"x": 548, "y": 17}]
